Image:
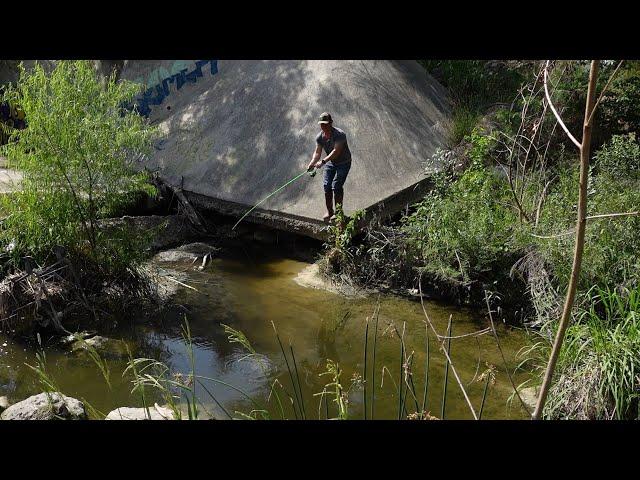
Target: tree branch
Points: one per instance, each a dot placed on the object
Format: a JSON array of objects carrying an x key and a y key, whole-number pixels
[
  {"x": 604, "y": 90},
  {"x": 611, "y": 215},
  {"x": 553, "y": 109},
  {"x": 446, "y": 354},
  {"x": 585, "y": 151}
]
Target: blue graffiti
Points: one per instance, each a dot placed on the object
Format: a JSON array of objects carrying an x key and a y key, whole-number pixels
[{"x": 155, "y": 95}]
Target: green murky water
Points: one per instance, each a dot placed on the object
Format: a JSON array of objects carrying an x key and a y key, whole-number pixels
[{"x": 249, "y": 290}]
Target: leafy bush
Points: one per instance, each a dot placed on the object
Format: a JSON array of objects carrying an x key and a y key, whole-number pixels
[
  {"x": 339, "y": 258},
  {"x": 620, "y": 158},
  {"x": 76, "y": 158},
  {"x": 618, "y": 112},
  {"x": 611, "y": 245},
  {"x": 460, "y": 230}
]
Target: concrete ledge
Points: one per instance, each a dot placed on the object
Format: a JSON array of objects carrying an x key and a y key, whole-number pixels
[{"x": 307, "y": 226}]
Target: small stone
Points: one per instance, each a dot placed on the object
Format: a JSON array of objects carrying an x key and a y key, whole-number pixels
[
  {"x": 529, "y": 396},
  {"x": 4, "y": 404}
]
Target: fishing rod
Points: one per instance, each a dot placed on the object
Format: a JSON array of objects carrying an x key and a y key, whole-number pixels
[{"x": 311, "y": 174}]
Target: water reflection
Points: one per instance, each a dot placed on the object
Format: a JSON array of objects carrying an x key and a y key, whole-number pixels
[{"x": 250, "y": 290}]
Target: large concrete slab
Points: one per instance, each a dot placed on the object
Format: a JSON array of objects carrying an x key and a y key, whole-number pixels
[{"x": 234, "y": 131}]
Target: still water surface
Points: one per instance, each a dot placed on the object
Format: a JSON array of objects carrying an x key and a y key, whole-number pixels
[{"x": 247, "y": 291}]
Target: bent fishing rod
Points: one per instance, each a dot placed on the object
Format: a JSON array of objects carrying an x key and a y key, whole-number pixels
[{"x": 311, "y": 173}]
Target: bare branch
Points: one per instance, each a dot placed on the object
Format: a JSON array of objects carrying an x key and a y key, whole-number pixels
[
  {"x": 446, "y": 354},
  {"x": 585, "y": 151},
  {"x": 604, "y": 90},
  {"x": 569, "y": 232},
  {"x": 611, "y": 215},
  {"x": 592, "y": 217},
  {"x": 506, "y": 367},
  {"x": 553, "y": 109}
]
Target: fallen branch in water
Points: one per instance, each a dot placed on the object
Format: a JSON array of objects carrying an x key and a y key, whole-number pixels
[
  {"x": 183, "y": 284},
  {"x": 444, "y": 350},
  {"x": 189, "y": 210},
  {"x": 504, "y": 361}
]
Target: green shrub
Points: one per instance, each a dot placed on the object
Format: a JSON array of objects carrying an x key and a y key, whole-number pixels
[
  {"x": 620, "y": 158},
  {"x": 611, "y": 245},
  {"x": 459, "y": 233},
  {"x": 76, "y": 158}
]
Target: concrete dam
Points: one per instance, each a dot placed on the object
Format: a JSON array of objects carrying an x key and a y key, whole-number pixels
[{"x": 234, "y": 131}]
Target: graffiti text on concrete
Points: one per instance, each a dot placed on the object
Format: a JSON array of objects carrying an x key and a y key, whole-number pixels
[{"x": 156, "y": 94}]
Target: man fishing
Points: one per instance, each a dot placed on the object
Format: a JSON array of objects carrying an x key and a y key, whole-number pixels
[{"x": 338, "y": 163}]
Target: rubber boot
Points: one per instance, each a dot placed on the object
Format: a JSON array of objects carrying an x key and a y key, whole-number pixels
[
  {"x": 328, "y": 199},
  {"x": 339, "y": 197}
]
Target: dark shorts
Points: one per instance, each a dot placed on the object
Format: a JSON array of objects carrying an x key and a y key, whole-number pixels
[{"x": 335, "y": 176}]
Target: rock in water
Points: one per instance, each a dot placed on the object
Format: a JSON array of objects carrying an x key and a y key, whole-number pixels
[
  {"x": 106, "y": 347},
  {"x": 4, "y": 404},
  {"x": 529, "y": 396},
  {"x": 127, "y": 413},
  {"x": 46, "y": 406}
]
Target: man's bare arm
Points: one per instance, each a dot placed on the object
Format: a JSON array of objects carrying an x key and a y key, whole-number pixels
[
  {"x": 334, "y": 153},
  {"x": 315, "y": 158}
]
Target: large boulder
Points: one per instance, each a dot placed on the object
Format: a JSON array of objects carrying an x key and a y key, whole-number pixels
[
  {"x": 46, "y": 406},
  {"x": 155, "y": 413}
]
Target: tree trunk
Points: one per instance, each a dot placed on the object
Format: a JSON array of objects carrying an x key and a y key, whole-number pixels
[{"x": 585, "y": 151}]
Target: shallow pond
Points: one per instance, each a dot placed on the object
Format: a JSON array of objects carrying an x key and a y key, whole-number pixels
[{"x": 249, "y": 289}]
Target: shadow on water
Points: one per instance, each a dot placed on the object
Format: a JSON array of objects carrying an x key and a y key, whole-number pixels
[{"x": 247, "y": 290}]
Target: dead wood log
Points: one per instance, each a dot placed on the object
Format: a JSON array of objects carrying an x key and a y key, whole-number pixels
[{"x": 188, "y": 209}]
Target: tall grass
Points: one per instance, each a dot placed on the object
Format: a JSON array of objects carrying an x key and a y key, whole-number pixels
[
  {"x": 599, "y": 365},
  {"x": 474, "y": 86},
  {"x": 153, "y": 381}
]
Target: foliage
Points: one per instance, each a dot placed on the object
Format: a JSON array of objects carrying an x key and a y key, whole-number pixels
[
  {"x": 339, "y": 241},
  {"x": 457, "y": 232},
  {"x": 619, "y": 111},
  {"x": 597, "y": 371},
  {"x": 76, "y": 158},
  {"x": 610, "y": 255},
  {"x": 620, "y": 158},
  {"x": 335, "y": 389},
  {"x": 341, "y": 232},
  {"x": 475, "y": 86}
]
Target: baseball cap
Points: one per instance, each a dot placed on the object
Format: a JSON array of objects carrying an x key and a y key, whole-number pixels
[{"x": 325, "y": 118}]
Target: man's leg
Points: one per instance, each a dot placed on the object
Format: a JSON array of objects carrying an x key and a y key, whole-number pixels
[
  {"x": 338, "y": 183},
  {"x": 329, "y": 175}
]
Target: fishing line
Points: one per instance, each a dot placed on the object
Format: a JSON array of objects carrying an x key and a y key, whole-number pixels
[{"x": 311, "y": 173}]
